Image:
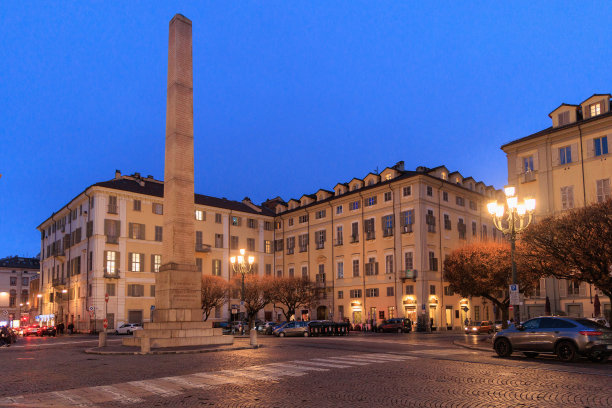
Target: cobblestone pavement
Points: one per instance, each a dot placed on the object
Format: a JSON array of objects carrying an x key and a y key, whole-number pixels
[{"x": 356, "y": 371}]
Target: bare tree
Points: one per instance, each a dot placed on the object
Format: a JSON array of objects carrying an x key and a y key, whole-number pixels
[
  {"x": 289, "y": 294},
  {"x": 214, "y": 293},
  {"x": 485, "y": 270},
  {"x": 257, "y": 294},
  {"x": 575, "y": 246}
]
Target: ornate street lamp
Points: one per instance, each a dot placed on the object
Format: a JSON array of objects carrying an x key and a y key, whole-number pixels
[
  {"x": 243, "y": 265},
  {"x": 511, "y": 219}
]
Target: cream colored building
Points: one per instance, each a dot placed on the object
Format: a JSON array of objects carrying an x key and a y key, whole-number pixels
[
  {"x": 108, "y": 240},
  {"x": 374, "y": 247},
  {"x": 16, "y": 273},
  {"x": 564, "y": 167}
]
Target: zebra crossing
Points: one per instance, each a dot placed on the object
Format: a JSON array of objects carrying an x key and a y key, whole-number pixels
[{"x": 133, "y": 392}]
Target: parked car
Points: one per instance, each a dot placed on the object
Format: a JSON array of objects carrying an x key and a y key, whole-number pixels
[
  {"x": 499, "y": 325},
  {"x": 293, "y": 329},
  {"x": 46, "y": 331},
  {"x": 263, "y": 327},
  {"x": 278, "y": 327},
  {"x": 128, "y": 328},
  {"x": 395, "y": 325},
  {"x": 567, "y": 337},
  {"x": 483, "y": 327},
  {"x": 600, "y": 320},
  {"x": 31, "y": 330}
]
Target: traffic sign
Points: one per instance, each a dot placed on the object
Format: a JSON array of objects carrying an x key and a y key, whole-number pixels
[
  {"x": 105, "y": 323},
  {"x": 106, "y": 298},
  {"x": 514, "y": 294},
  {"x": 91, "y": 308}
]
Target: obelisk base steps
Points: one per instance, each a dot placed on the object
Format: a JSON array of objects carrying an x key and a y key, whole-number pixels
[{"x": 178, "y": 334}]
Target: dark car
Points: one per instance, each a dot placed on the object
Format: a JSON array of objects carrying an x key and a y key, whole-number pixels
[
  {"x": 46, "y": 331},
  {"x": 395, "y": 325},
  {"x": 567, "y": 337}
]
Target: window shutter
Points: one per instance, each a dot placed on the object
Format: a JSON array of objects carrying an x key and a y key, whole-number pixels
[
  {"x": 104, "y": 261},
  {"x": 375, "y": 268},
  {"x": 152, "y": 263},
  {"x": 142, "y": 231},
  {"x": 382, "y": 223},
  {"x": 519, "y": 165},
  {"x": 129, "y": 262},
  {"x": 536, "y": 164},
  {"x": 557, "y": 157},
  {"x": 142, "y": 263},
  {"x": 118, "y": 260},
  {"x": 586, "y": 113},
  {"x": 131, "y": 230},
  {"x": 591, "y": 148},
  {"x": 562, "y": 288},
  {"x": 574, "y": 150}
]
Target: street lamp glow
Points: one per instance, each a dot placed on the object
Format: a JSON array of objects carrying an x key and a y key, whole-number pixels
[
  {"x": 242, "y": 251},
  {"x": 64, "y": 290},
  {"x": 39, "y": 296},
  {"x": 251, "y": 260},
  {"x": 233, "y": 260},
  {"x": 530, "y": 204},
  {"x": 509, "y": 191},
  {"x": 21, "y": 305},
  {"x": 499, "y": 211},
  {"x": 240, "y": 259},
  {"x": 492, "y": 207},
  {"x": 521, "y": 209},
  {"x": 512, "y": 202}
]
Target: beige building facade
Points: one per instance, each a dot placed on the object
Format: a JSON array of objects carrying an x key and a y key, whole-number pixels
[
  {"x": 565, "y": 166},
  {"x": 16, "y": 274},
  {"x": 373, "y": 246}
]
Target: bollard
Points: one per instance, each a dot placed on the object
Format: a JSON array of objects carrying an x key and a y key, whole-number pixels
[
  {"x": 253, "y": 337},
  {"x": 102, "y": 339},
  {"x": 145, "y": 345}
]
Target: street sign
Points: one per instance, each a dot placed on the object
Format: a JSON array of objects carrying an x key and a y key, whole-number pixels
[
  {"x": 514, "y": 294},
  {"x": 91, "y": 308},
  {"x": 152, "y": 307},
  {"x": 105, "y": 323},
  {"x": 106, "y": 298}
]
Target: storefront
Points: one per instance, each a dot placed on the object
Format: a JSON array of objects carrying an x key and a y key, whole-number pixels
[
  {"x": 356, "y": 310},
  {"x": 410, "y": 308}
]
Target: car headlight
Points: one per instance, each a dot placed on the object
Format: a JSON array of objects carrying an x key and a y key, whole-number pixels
[{"x": 475, "y": 329}]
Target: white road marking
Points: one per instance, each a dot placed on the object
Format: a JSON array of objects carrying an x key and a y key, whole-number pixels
[
  {"x": 177, "y": 385},
  {"x": 154, "y": 389}
]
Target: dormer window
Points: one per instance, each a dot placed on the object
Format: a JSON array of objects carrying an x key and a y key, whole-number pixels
[
  {"x": 595, "y": 109},
  {"x": 458, "y": 180},
  {"x": 563, "y": 118},
  {"x": 371, "y": 183},
  {"x": 444, "y": 175},
  {"x": 388, "y": 177}
]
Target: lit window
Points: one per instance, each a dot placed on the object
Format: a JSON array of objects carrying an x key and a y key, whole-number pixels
[
  {"x": 199, "y": 215},
  {"x": 595, "y": 109}
]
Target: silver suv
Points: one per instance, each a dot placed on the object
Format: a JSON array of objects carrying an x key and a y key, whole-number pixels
[{"x": 567, "y": 337}]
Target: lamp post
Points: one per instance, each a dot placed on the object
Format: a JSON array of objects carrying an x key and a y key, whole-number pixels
[
  {"x": 511, "y": 219},
  {"x": 39, "y": 296},
  {"x": 243, "y": 265}
]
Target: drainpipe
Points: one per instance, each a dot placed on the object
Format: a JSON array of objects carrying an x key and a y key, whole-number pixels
[
  {"x": 333, "y": 260},
  {"x": 442, "y": 307},
  {"x": 363, "y": 256},
  {"x": 68, "y": 276},
  {"x": 397, "y": 260},
  {"x": 582, "y": 166},
  {"x": 87, "y": 261},
  {"x": 308, "y": 251}
]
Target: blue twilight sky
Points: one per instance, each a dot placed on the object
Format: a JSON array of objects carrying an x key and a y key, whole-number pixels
[{"x": 289, "y": 96}]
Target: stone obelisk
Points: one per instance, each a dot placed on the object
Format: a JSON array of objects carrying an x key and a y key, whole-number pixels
[{"x": 178, "y": 313}]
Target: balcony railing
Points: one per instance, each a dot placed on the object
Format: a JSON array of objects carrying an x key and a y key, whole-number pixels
[
  {"x": 112, "y": 239},
  {"x": 290, "y": 251},
  {"x": 303, "y": 248},
  {"x": 529, "y": 176},
  {"x": 338, "y": 241},
  {"x": 388, "y": 232},
  {"x": 320, "y": 245},
  {"x": 370, "y": 235},
  {"x": 58, "y": 282},
  {"x": 112, "y": 275},
  {"x": 354, "y": 239},
  {"x": 112, "y": 209},
  {"x": 202, "y": 248},
  {"x": 407, "y": 228}
]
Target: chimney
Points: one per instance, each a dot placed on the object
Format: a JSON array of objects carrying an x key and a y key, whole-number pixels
[
  {"x": 117, "y": 174},
  {"x": 399, "y": 165}
]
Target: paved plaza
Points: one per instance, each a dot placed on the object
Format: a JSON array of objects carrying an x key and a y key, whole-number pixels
[{"x": 358, "y": 371}]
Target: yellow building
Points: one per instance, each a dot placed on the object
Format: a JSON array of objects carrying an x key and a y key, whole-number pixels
[
  {"x": 16, "y": 273},
  {"x": 565, "y": 166},
  {"x": 374, "y": 247},
  {"x": 108, "y": 240}
]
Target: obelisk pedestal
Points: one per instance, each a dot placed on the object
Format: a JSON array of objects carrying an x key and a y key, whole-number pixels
[{"x": 178, "y": 311}]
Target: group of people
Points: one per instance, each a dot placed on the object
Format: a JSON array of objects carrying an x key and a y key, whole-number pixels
[{"x": 6, "y": 337}]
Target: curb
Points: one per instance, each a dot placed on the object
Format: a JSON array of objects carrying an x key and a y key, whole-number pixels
[
  {"x": 458, "y": 343},
  {"x": 94, "y": 350}
]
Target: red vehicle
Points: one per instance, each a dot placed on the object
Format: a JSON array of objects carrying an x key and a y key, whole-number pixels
[
  {"x": 31, "y": 330},
  {"x": 483, "y": 327}
]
